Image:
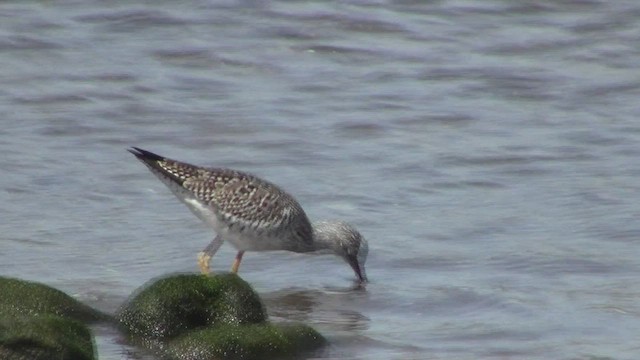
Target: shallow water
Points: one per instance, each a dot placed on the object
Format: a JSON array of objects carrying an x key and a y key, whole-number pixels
[{"x": 488, "y": 151}]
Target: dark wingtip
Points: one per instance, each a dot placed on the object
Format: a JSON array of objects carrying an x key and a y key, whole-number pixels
[
  {"x": 134, "y": 151},
  {"x": 144, "y": 154},
  {"x": 158, "y": 164}
]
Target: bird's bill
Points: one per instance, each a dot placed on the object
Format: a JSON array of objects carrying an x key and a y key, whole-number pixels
[{"x": 359, "y": 270}]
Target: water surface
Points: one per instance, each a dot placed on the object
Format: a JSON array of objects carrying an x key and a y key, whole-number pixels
[{"x": 488, "y": 151}]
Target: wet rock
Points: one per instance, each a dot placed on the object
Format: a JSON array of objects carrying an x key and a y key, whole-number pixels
[
  {"x": 192, "y": 317},
  {"x": 25, "y": 298},
  {"x": 40, "y": 322},
  {"x": 171, "y": 306},
  {"x": 44, "y": 337},
  {"x": 249, "y": 342}
]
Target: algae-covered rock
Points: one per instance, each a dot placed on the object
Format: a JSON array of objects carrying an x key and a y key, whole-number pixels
[
  {"x": 171, "y": 306},
  {"x": 44, "y": 337},
  {"x": 193, "y": 317},
  {"x": 40, "y": 322},
  {"x": 20, "y": 297},
  {"x": 257, "y": 341}
]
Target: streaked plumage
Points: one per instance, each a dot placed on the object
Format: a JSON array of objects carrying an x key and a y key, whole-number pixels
[{"x": 251, "y": 213}]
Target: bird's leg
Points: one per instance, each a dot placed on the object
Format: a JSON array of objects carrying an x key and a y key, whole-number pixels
[
  {"x": 204, "y": 256},
  {"x": 236, "y": 263}
]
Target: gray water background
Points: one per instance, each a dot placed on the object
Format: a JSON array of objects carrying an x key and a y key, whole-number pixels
[{"x": 489, "y": 151}]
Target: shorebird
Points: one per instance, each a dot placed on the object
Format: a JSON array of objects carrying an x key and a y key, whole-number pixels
[{"x": 253, "y": 214}]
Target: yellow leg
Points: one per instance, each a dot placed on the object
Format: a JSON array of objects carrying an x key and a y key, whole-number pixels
[
  {"x": 236, "y": 263},
  {"x": 204, "y": 256},
  {"x": 203, "y": 262}
]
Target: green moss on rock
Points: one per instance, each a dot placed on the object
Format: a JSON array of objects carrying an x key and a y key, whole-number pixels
[
  {"x": 193, "y": 317},
  {"x": 40, "y": 322},
  {"x": 44, "y": 337},
  {"x": 25, "y": 298},
  {"x": 171, "y": 306},
  {"x": 258, "y": 341}
]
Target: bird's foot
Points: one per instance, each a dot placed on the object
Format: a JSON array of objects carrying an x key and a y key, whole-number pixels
[{"x": 203, "y": 262}]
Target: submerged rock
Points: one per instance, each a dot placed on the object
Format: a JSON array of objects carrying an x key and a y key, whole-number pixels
[
  {"x": 40, "y": 322},
  {"x": 249, "y": 342},
  {"x": 44, "y": 337},
  {"x": 192, "y": 317}
]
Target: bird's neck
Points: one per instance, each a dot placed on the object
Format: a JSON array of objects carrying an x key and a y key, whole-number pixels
[{"x": 324, "y": 237}]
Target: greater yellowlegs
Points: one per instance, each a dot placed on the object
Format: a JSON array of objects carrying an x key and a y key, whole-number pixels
[{"x": 253, "y": 214}]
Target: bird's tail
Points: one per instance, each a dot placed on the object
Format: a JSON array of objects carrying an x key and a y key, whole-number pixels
[{"x": 165, "y": 168}]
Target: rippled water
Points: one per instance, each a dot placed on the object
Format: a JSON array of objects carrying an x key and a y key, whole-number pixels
[{"x": 487, "y": 149}]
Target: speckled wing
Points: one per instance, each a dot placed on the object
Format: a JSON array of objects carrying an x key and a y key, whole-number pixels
[
  {"x": 237, "y": 198},
  {"x": 244, "y": 200}
]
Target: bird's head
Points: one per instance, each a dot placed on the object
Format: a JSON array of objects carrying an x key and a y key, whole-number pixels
[{"x": 344, "y": 241}]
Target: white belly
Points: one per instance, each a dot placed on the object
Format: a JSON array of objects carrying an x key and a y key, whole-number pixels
[
  {"x": 204, "y": 213},
  {"x": 248, "y": 239}
]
